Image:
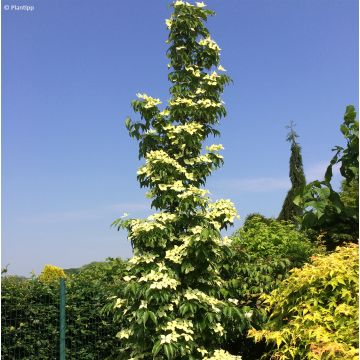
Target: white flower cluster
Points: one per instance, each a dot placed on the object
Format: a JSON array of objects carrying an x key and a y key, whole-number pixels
[
  {"x": 185, "y": 327},
  {"x": 191, "y": 128},
  {"x": 210, "y": 43},
  {"x": 181, "y": 101},
  {"x": 194, "y": 294},
  {"x": 144, "y": 258},
  {"x": 149, "y": 101},
  {"x": 196, "y": 230},
  {"x": 193, "y": 191},
  {"x": 140, "y": 226},
  {"x": 198, "y": 4},
  {"x": 215, "y": 147},
  {"x": 200, "y": 159},
  {"x": 248, "y": 314},
  {"x": 226, "y": 241},
  {"x": 222, "y": 355},
  {"x": 159, "y": 280},
  {"x": 212, "y": 78},
  {"x": 161, "y": 157},
  {"x": 218, "y": 328},
  {"x": 163, "y": 309},
  {"x": 163, "y": 217},
  {"x": 177, "y": 186},
  {"x": 124, "y": 334},
  {"x": 176, "y": 254},
  {"x": 220, "y": 208},
  {"x": 208, "y": 103},
  {"x": 169, "y": 23},
  {"x": 119, "y": 303},
  {"x": 165, "y": 113},
  {"x": 234, "y": 301},
  {"x": 194, "y": 70},
  {"x": 150, "y": 132},
  {"x": 143, "y": 304}
]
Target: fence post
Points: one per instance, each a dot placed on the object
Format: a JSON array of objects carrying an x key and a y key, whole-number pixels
[{"x": 62, "y": 319}]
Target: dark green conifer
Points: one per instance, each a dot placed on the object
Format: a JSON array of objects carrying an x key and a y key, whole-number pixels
[{"x": 289, "y": 210}]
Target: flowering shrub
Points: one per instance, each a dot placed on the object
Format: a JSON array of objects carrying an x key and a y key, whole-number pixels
[
  {"x": 314, "y": 313},
  {"x": 172, "y": 304},
  {"x": 51, "y": 273}
]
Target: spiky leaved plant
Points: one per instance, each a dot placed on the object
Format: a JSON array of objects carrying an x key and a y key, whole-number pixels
[{"x": 172, "y": 305}]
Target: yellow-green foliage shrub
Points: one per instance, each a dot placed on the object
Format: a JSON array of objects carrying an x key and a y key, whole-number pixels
[
  {"x": 51, "y": 273},
  {"x": 314, "y": 312}
]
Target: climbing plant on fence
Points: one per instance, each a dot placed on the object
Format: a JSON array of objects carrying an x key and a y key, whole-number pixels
[{"x": 172, "y": 306}]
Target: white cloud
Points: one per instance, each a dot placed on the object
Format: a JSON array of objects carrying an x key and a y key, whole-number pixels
[
  {"x": 267, "y": 184},
  {"x": 317, "y": 171},
  {"x": 262, "y": 184},
  {"x": 85, "y": 214}
]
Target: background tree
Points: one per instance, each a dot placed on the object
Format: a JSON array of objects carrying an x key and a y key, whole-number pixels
[
  {"x": 328, "y": 214},
  {"x": 289, "y": 210},
  {"x": 172, "y": 305}
]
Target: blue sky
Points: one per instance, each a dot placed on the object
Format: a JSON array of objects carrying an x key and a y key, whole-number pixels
[{"x": 70, "y": 70}]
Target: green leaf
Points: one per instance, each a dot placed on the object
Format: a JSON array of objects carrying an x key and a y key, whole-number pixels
[
  {"x": 297, "y": 200},
  {"x": 344, "y": 129},
  {"x": 168, "y": 350},
  {"x": 156, "y": 348},
  {"x": 328, "y": 174},
  {"x": 128, "y": 123},
  {"x": 145, "y": 317},
  {"x": 152, "y": 317}
]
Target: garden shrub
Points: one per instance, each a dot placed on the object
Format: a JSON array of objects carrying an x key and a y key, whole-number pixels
[
  {"x": 51, "y": 273},
  {"x": 314, "y": 312},
  {"x": 30, "y": 314},
  {"x": 172, "y": 304},
  {"x": 263, "y": 252},
  {"x": 29, "y": 319},
  {"x": 91, "y": 331}
]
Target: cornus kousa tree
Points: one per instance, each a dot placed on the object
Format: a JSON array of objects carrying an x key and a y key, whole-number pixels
[{"x": 172, "y": 306}]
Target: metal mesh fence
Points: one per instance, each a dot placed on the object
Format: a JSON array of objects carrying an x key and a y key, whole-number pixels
[{"x": 30, "y": 322}]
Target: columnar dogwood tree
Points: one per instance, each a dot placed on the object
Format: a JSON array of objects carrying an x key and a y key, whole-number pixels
[{"x": 172, "y": 305}]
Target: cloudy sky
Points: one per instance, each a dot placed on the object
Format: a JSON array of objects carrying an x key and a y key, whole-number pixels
[{"x": 71, "y": 69}]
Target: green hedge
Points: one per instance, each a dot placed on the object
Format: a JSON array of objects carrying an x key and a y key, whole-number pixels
[
  {"x": 264, "y": 252},
  {"x": 30, "y": 314}
]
